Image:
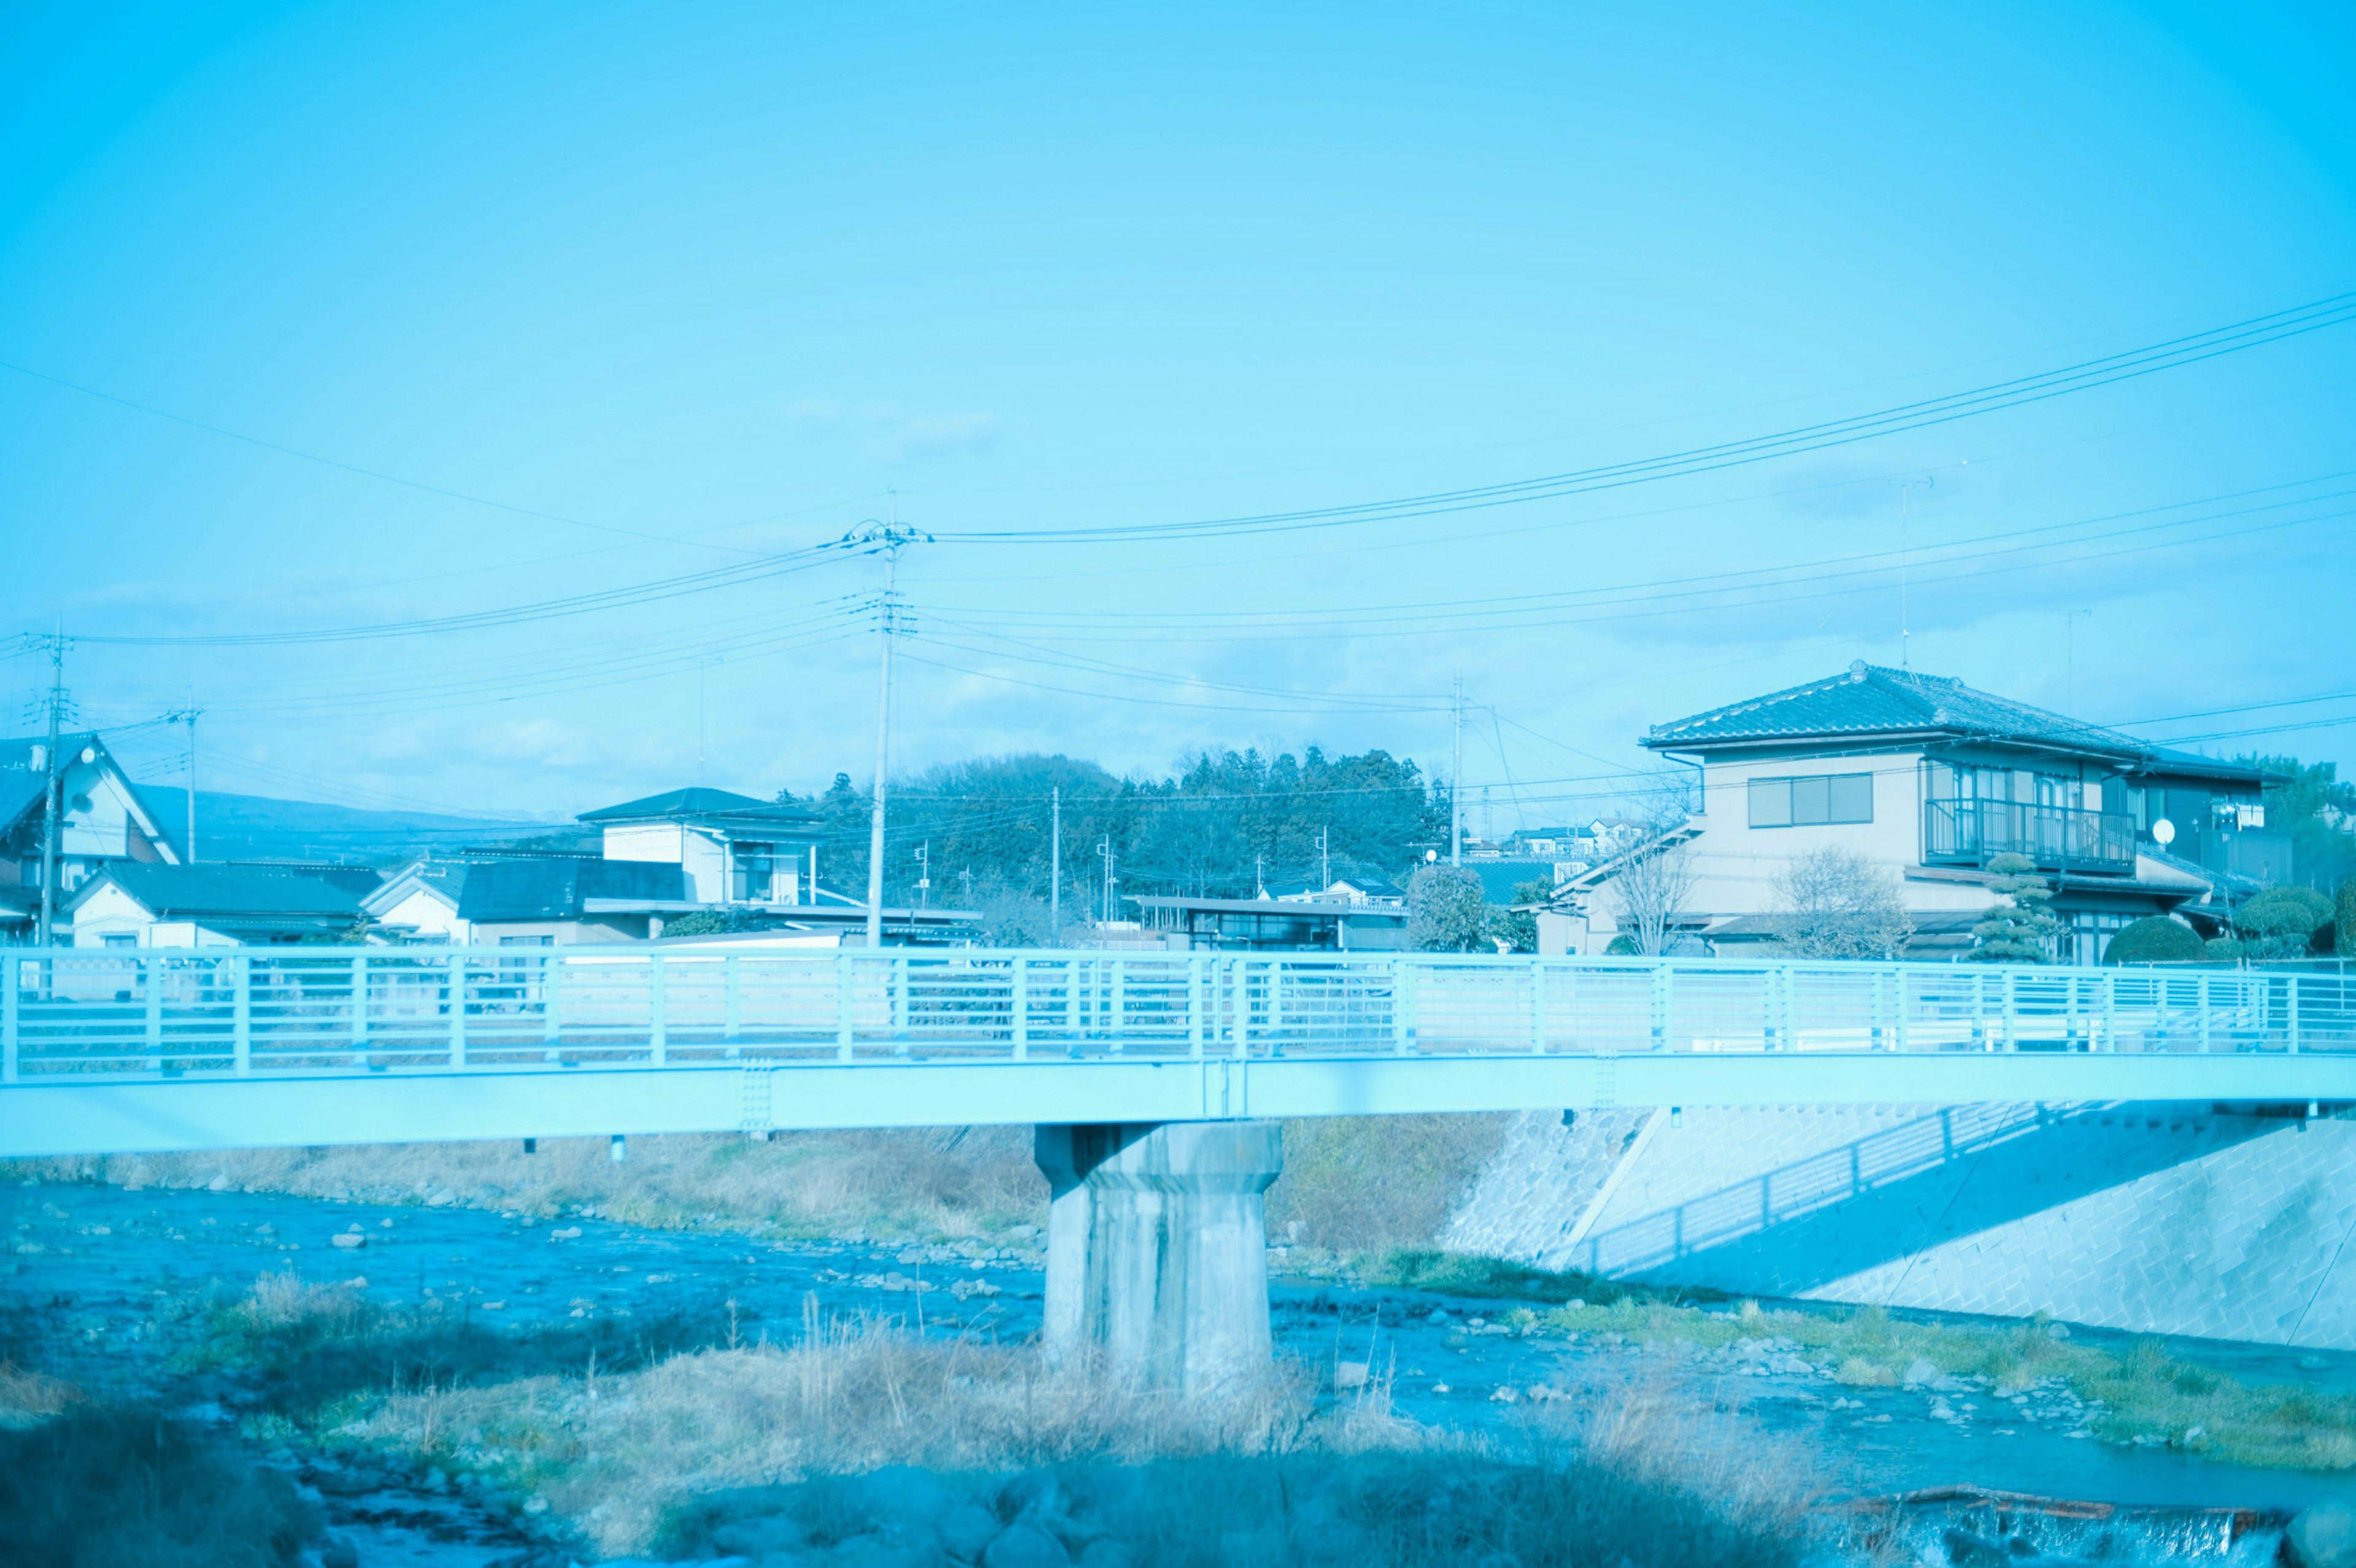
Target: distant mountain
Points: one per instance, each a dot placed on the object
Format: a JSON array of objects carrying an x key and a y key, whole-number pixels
[{"x": 257, "y": 827}]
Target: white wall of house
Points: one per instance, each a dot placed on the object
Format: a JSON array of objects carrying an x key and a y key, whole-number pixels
[
  {"x": 427, "y": 914},
  {"x": 110, "y": 911},
  {"x": 100, "y": 819},
  {"x": 701, "y": 856},
  {"x": 1736, "y": 864}
]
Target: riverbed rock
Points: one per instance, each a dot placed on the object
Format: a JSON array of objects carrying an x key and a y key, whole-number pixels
[
  {"x": 1026, "y": 1546},
  {"x": 900, "y": 1494},
  {"x": 758, "y": 1537},
  {"x": 2322, "y": 1537},
  {"x": 967, "y": 1530},
  {"x": 338, "y": 1553},
  {"x": 1919, "y": 1373}
]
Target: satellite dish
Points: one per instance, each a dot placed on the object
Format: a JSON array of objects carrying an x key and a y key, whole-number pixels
[{"x": 2163, "y": 832}]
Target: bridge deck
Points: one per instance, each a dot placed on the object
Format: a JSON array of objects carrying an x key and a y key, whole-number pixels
[{"x": 118, "y": 1049}]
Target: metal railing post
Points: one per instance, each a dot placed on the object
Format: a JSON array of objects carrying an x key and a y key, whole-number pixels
[
  {"x": 1195, "y": 1007},
  {"x": 1663, "y": 1001},
  {"x": 1021, "y": 1002},
  {"x": 2111, "y": 1013},
  {"x": 2204, "y": 1006},
  {"x": 2290, "y": 983},
  {"x": 551, "y": 1006},
  {"x": 1243, "y": 1008},
  {"x": 842, "y": 1022},
  {"x": 1119, "y": 1002},
  {"x": 1876, "y": 1011},
  {"x": 2011, "y": 1009},
  {"x": 153, "y": 995},
  {"x": 899, "y": 981},
  {"x": 658, "y": 1010},
  {"x": 1538, "y": 1007},
  {"x": 12, "y": 981},
  {"x": 731, "y": 1002},
  {"x": 1073, "y": 969},
  {"x": 1402, "y": 1005},
  {"x": 360, "y": 1009},
  {"x": 1905, "y": 1011},
  {"x": 242, "y": 1012},
  {"x": 457, "y": 979}
]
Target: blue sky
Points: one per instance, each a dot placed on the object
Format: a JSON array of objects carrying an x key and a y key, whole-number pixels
[{"x": 490, "y": 305}]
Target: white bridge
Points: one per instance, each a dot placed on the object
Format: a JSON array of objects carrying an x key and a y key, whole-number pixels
[
  {"x": 1156, "y": 1080},
  {"x": 105, "y": 1051}
]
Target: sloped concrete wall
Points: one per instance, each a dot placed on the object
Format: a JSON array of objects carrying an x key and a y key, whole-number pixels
[{"x": 2150, "y": 1218}]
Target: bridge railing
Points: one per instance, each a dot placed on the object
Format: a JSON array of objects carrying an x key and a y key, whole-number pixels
[{"x": 254, "y": 1009}]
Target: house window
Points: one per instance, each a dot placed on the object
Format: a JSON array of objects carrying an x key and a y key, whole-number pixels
[
  {"x": 754, "y": 872},
  {"x": 1811, "y": 800},
  {"x": 120, "y": 939}
]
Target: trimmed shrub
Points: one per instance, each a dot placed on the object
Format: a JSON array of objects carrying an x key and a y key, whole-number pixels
[
  {"x": 2280, "y": 922},
  {"x": 2224, "y": 950},
  {"x": 2345, "y": 924},
  {"x": 2155, "y": 939},
  {"x": 1623, "y": 946}
]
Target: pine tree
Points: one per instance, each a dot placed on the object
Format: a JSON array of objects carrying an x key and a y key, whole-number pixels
[{"x": 2021, "y": 929}]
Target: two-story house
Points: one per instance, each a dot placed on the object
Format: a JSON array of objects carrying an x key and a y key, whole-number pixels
[
  {"x": 1929, "y": 780},
  {"x": 732, "y": 848},
  {"x": 100, "y": 821}
]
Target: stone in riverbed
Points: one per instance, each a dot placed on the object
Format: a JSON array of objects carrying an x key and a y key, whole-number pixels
[
  {"x": 351, "y": 1240},
  {"x": 968, "y": 1530},
  {"x": 2322, "y": 1537},
  {"x": 1026, "y": 1546}
]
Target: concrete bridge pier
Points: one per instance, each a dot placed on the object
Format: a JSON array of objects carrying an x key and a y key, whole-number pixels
[{"x": 1157, "y": 1249}]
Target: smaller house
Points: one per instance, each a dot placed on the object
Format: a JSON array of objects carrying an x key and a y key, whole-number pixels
[
  {"x": 1363, "y": 891},
  {"x": 730, "y": 848},
  {"x": 135, "y": 904}
]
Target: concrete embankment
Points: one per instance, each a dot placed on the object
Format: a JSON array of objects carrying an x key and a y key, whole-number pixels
[{"x": 2149, "y": 1218}]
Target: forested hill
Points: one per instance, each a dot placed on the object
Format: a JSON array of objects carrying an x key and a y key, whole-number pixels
[{"x": 987, "y": 824}]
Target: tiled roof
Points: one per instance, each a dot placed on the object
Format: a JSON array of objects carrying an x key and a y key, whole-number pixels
[
  {"x": 1872, "y": 702},
  {"x": 200, "y": 890},
  {"x": 700, "y": 803},
  {"x": 553, "y": 889}
]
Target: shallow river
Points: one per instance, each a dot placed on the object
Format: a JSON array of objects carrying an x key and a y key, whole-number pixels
[{"x": 94, "y": 1260}]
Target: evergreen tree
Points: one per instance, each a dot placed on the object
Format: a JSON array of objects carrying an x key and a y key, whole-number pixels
[{"x": 2021, "y": 929}]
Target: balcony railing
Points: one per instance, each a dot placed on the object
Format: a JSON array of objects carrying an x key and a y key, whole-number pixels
[{"x": 2057, "y": 837}]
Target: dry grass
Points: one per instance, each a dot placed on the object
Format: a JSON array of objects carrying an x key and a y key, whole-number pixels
[
  {"x": 944, "y": 1183},
  {"x": 130, "y": 1487},
  {"x": 654, "y": 1460}
]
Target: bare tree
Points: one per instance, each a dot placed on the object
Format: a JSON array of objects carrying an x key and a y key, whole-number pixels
[
  {"x": 1837, "y": 903},
  {"x": 1650, "y": 892}
]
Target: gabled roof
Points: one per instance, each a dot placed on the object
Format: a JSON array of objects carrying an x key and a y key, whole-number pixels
[
  {"x": 20, "y": 782},
  {"x": 205, "y": 891},
  {"x": 700, "y": 804},
  {"x": 1874, "y": 703}
]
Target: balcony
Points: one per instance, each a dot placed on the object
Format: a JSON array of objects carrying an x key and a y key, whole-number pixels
[{"x": 2058, "y": 838}]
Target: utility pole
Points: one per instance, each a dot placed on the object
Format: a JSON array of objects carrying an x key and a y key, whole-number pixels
[
  {"x": 888, "y": 537},
  {"x": 925, "y": 874},
  {"x": 1456, "y": 782},
  {"x": 1260, "y": 877},
  {"x": 188, "y": 716},
  {"x": 1055, "y": 864},
  {"x": 51, "y": 783},
  {"x": 1104, "y": 853},
  {"x": 1324, "y": 860}
]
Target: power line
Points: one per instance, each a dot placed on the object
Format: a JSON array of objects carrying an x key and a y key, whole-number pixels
[{"x": 2274, "y": 326}]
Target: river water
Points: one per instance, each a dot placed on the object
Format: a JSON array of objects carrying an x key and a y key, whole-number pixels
[{"x": 92, "y": 1262}]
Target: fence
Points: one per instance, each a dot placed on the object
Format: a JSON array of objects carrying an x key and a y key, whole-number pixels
[{"x": 245, "y": 1010}]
